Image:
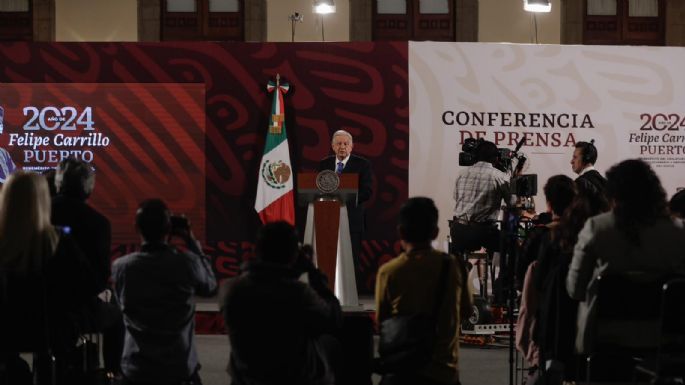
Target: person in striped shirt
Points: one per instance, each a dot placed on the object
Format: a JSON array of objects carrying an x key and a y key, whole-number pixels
[{"x": 478, "y": 194}]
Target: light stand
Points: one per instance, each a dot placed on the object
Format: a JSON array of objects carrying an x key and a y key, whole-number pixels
[
  {"x": 535, "y": 7},
  {"x": 323, "y": 7},
  {"x": 535, "y": 27},
  {"x": 294, "y": 18}
]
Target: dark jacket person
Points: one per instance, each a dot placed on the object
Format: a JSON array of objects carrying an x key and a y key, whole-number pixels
[
  {"x": 278, "y": 325},
  {"x": 74, "y": 182}
]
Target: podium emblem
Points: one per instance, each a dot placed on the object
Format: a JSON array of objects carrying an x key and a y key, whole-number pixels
[{"x": 327, "y": 181}]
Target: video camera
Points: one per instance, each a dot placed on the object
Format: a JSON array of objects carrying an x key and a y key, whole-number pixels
[
  {"x": 521, "y": 185},
  {"x": 469, "y": 155}
]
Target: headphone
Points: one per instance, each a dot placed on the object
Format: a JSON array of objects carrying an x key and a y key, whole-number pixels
[{"x": 589, "y": 151}]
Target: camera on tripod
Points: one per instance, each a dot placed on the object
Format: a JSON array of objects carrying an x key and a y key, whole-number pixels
[{"x": 521, "y": 185}]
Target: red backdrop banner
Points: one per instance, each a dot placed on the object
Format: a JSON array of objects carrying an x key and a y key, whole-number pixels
[
  {"x": 361, "y": 87},
  {"x": 143, "y": 140}
]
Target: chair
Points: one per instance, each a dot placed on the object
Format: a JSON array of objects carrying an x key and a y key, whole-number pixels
[
  {"x": 669, "y": 363},
  {"x": 24, "y": 325},
  {"x": 94, "y": 327},
  {"x": 627, "y": 310}
]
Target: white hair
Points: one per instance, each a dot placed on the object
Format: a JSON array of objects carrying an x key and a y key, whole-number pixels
[{"x": 341, "y": 133}]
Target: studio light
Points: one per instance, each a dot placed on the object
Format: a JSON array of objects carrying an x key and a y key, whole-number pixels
[
  {"x": 323, "y": 7},
  {"x": 537, "y": 5}
]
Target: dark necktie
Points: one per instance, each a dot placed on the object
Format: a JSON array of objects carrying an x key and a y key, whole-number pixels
[{"x": 339, "y": 169}]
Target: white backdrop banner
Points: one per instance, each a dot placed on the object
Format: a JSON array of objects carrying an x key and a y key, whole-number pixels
[{"x": 630, "y": 100}]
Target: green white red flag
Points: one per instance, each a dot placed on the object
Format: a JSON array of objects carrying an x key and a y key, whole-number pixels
[{"x": 275, "y": 200}]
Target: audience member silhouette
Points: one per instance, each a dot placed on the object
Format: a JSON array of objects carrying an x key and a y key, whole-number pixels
[
  {"x": 555, "y": 317},
  {"x": 155, "y": 287},
  {"x": 45, "y": 281},
  {"x": 677, "y": 204},
  {"x": 636, "y": 235},
  {"x": 406, "y": 285},
  {"x": 280, "y": 327},
  {"x": 49, "y": 175},
  {"x": 74, "y": 181},
  {"x": 560, "y": 191}
]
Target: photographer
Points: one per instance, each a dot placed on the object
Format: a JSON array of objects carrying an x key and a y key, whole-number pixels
[
  {"x": 155, "y": 288},
  {"x": 478, "y": 194},
  {"x": 281, "y": 329}
]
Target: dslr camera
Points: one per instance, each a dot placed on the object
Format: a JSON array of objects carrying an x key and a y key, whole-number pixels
[{"x": 179, "y": 225}]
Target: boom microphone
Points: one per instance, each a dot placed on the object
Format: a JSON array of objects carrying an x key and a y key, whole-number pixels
[{"x": 520, "y": 144}]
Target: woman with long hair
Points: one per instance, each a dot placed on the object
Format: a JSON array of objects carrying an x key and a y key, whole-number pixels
[
  {"x": 45, "y": 282},
  {"x": 636, "y": 235},
  {"x": 26, "y": 234},
  {"x": 556, "y": 322}
]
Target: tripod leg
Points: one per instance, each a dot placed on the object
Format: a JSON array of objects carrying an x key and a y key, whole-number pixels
[{"x": 483, "y": 279}]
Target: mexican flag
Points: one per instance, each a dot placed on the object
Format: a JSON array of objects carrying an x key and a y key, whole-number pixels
[{"x": 274, "y": 200}]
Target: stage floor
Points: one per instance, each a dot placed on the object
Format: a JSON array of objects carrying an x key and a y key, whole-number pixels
[
  {"x": 366, "y": 303},
  {"x": 478, "y": 365}
]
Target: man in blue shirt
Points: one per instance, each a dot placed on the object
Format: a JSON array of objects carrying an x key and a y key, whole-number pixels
[{"x": 155, "y": 288}]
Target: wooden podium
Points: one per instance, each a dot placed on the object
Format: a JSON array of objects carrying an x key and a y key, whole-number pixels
[{"x": 328, "y": 231}]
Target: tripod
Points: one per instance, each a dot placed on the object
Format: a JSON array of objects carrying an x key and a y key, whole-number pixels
[
  {"x": 512, "y": 233},
  {"x": 507, "y": 237}
]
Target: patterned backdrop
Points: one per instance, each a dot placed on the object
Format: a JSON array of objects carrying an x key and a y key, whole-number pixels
[{"x": 360, "y": 87}]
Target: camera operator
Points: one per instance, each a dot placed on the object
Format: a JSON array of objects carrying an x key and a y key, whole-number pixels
[{"x": 478, "y": 194}]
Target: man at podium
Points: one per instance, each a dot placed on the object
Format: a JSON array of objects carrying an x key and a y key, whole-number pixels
[{"x": 345, "y": 162}]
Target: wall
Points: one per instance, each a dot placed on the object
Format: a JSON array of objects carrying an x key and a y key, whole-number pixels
[
  {"x": 336, "y": 25},
  {"x": 506, "y": 21},
  {"x": 675, "y": 23},
  {"x": 106, "y": 20},
  {"x": 96, "y": 20}
]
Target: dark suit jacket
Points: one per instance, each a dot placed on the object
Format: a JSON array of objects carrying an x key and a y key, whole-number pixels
[
  {"x": 91, "y": 230},
  {"x": 362, "y": 167},
  {"x": 594, "y": 181}
]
